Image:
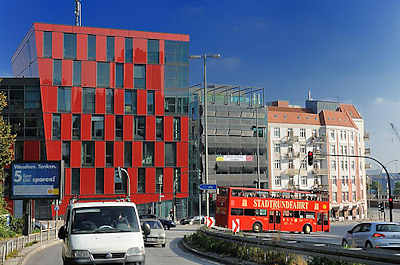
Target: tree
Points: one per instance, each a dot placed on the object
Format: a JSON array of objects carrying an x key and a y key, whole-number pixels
[
  {"x": 376, "y": 186},
  {"x": 396, "y": 188}
]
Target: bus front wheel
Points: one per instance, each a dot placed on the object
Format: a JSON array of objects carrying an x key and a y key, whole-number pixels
[
  {"x": 257, "y": 227},
  {"x": 307, "y": 229}
]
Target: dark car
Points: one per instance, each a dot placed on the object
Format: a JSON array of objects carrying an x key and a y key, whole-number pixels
[
  {"x": 167, "y": 223},
  {"x": 185, "y": 221},
  {"x": 147, "y": 216}
]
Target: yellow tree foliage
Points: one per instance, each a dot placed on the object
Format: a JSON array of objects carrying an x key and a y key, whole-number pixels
[{"x": 7, "y": 139}]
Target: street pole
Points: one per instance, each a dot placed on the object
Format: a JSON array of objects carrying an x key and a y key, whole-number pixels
[
  {"x": 206, "y": 131},
  {"x": 127, "y": 177},
  {"x": 258, "y": 152}
]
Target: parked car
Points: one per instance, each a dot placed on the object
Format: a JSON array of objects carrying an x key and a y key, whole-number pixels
[
  {"x": 167, "y": 224},
  {"x": 157, "y": 233},
  {"x": 373, "y": 235},
  {"x": 197, "y": 220},
  {"x": 185, "y": 221},
  {"x": 147, "y": 216}
]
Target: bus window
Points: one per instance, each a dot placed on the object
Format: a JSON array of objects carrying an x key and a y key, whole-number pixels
[
  {"x": 308, "y": 215},
  {"x": 261, "y": 212},
  {"x": 236, "y": 211},
  {"x": 250, "y": 212},
  {"x": 262, "y": 194},
  {"x": 295, "y": 214},
  {"x": 236, "y": 193},
  {"x": 286, "y": 213}
]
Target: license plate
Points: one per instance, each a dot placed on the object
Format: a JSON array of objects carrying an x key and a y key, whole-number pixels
[{"x": 152, "y": 239}]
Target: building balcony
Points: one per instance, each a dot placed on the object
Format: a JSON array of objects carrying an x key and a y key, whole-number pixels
[
  {"x": 367, "y": 151},
  {"x": 292, "y": 155},
  {"x": 291, "y": 139},
  {"x": 320, "y": 171}
]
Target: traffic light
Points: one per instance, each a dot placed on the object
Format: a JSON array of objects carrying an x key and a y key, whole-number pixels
[
  {"x": 310, "y": 158},
  {"x": 390, "y": 203},
  {"x": 381, "y": 207}
]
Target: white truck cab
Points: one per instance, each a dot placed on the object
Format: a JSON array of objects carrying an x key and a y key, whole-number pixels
[{"x": 102, "y": 232}]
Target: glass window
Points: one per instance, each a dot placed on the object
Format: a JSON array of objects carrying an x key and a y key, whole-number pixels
[
  {"x": 110, "y": 49},
  {"x": 185, "y": 105},
  {"x": 76, "y": 126},
  {"x": 47, "y": 44},
  {"x": 236, "y": 211},
  {"x": 177, "y": 128},
  {"x": 139, "y": 76},
  {"x": 88, "y": 100},
  {"x": 153, "y": 51},
  {"x": 119, "y": 127},
  {"x": 103, "y": 74},
  {"x": 75, "y": 181},
  {"x": 32, "y": 98},
  {"x": 128, "y": 154},
  {"x": 99, "y": 180},
  {"x": 177, "y": 180},
  {"x": 159, "y": 128},
  {"x": 120, "y": 182},
  {"x": 119, "y": 75},
  {"x": 170, "y": 154},
  {"x": 69, "y": 46},
  {"x": 130, "y": 101},
  {"x": 169, "y": 106},
  {"x": 109, "y": 154},
  {"x": 179, "y": 105},
  {"x": 66, "y": 152},
  {"x": 92, "y": 47},
  {"x": 148, "y": 154},
  {"x": 57, "y": 72},
  {"x": 128, "y": 50},
  {"x": 140, "y": 128},
  {"x": 77, "y": 73},
  {"x": 150, "y": 102},
  {"x": 109, "y": 101},
  {"x": 88, "y": 154},
  {"x": 56, "y": 127},
  {"x": 159, "y": 180},
  {"x": 141, "y": 180},
  {"x": 64, "y": 99},
  {"x": 97, "y": 127}
]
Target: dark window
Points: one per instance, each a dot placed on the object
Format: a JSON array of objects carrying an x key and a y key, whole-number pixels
[
  {"x": 120, "y": 182},
  {"x": 92, "y": 47},
  {"x": 57, "y": 72},
  {"x": 66, "y": 153},
  {"x": 77, "y": 73},
  {"x": 110, "y": 49},
  {"x": 109, "y": 154},
  {"x": 185, "y": 105},
  {"x": 150, "y": 102},
  {"x": 32, "y": 98},
  {"x": 103, "y": 74},
  {"x": 42, "y": 150},
  {"x": 75, "y": 181},
  {"x": 128, "y": 154},
  {"x": 179, "y": 105},
  {"x": 119, "y": 127},
  {"x": 119, "y": 75},
  {"x": 88, "y": 100},
  {"x": 177, "y": 128},
  {"x": 159, "y": 128},
  {"x": 153, "y": 51},
  {"x": 47, "y": 44},
  {"x": 56, "y": 127},
  {"x": 140, "y": 128},
  {"x": 139, "y": 76},
  {"x": 250, "y": 212},
  {"x": 159, "y": 180},
  {"x": 170, "y": 154},
  {"x": 177, "y": 180},
  {"x": 88, "y": 154},
  {"x": 236, "y": 211},
  {"x": 169, "y": 105},
  {"x": 128, "y": 50},
  {"x": 130, "y": 101},
  {"x": 33, "y": 125},
  {"x": 19, "y": 150},
  {"x": 76, "y": 126},
  {"x": 69, "y": 46},
  {"x": 99, "y": 180},
  {"x": 148, "y": 154},
  {"x": 97, "y": 127},
  {"x": 176, "y": 64},
  {"x": 109, "y": 101},
  {"x": 64, "y": 99},
  {"x": 141, "y": 180}
]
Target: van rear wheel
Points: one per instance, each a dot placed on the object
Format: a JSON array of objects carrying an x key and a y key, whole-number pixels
[{"x": 307, "y": 229}]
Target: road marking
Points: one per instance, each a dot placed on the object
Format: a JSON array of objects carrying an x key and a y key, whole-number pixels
[
  {"x": 291, "y": 242},
  {"x": 319, "y": 245}
]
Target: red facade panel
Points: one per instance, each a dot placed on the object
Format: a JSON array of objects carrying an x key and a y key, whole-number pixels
[
  {"x": 32, "y": 150},
  {"x": 49, "y": 98},
  {"x": 88, "y": 78},
  {"x": 86, "y": 125},
  {"x": 112, "y": 75},
  {"x": 153, "y": 76},
  {"x": 57, "y": 45},
  {"x": 184, "y": 180},
  {"x": 119, "y": 101},
  {"x": 100, "y": 157},
  {"x": 118, "y": 154},
  {"x": 53, "y": 149},
  {"x": 185, "y": 128},
  {"x": 101, "y": 48},
  {"x": 150, "y": 128},
  {"x": 150, "y": 180},
  {"x": 162, "y": 51},
  {"x": 128, "y": 127},
  {"x": 159, "y": 102},
  {"x": 109, "y": 181},
  {"x": 141, "y": 102},
  {"x": 168, "y": 180},
  {"x": 140, "y": 51},
  {"x": 66, "y": 126},
  {"x": 81, "y": 46},
  {"x": 47, "y": 125},
  {"x": 137, "y": 152},
  {"x": 88, "y": 180},
  {"x": 100, "y": 100},
  {"x": 168, "y": 128},
  {"x": 159, "y": 154},
  {"x": 128, "y": 75},
  {"x": 76, "y": 154},
  {"x": 39, "y": 43},
  {"x": 133, "y": 174},
  {"x": 45, "y": 66},
  {"x": 109, "y": 130},
  {"x": 67, "y": 181},
  {"x": 76, "y": 100},
  {"x": 66, "y": 79},
  {"x": 119, "y": 49}
]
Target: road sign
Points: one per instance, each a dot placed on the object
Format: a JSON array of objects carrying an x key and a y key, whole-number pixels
[
  {"x": 56, "y": 208},
  {"x": 208, "y": 186},
  {"x": 235, "y": 225},
  {"x": 210, "y": 221}
]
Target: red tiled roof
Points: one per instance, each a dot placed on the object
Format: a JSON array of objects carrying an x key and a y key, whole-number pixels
[{"x": 351, "y": 110}]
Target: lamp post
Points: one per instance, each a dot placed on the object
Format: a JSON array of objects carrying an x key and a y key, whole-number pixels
[
  {"x": 128, "y": 178},
  {"x": 204, "y": 57}
]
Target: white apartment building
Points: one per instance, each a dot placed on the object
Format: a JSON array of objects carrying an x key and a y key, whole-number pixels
[{"x": 324, "y": 128}]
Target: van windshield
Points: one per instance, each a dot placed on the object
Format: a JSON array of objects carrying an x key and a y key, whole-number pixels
[{"x": 115, "y": 219}]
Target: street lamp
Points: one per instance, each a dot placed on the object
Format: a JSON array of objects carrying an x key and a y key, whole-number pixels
[
  {"x": 204, "y": 57},
  {"x": 129, "y": 180}
]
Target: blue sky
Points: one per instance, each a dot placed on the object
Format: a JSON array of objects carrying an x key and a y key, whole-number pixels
[{"x": 343, "y": 50}]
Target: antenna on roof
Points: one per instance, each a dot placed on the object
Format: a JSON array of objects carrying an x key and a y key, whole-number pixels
[
  {"x": 78, "y": 13},
  {"x": 309, "y": 94}
]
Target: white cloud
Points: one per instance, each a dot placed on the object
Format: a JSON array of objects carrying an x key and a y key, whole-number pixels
[{"x": 379, "y": 100}]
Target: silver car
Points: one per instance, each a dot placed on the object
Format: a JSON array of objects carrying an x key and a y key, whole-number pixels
[
  {"x": 373, "y": 235},
  {"x": 157, "y": 233}
]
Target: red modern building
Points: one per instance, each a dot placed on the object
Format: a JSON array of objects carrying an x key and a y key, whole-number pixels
[{"x": 109, "y": 98}]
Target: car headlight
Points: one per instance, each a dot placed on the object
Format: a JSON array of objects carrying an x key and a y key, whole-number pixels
[
  {"x": 80, "y": 254},
  {"x": 135, "y": 251},
  {"x": 162, "y": 236}
]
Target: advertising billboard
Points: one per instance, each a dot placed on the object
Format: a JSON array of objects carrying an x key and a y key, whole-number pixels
[
  {"x": 234, "y": 158},
  {"x": 35, "y": 180}
]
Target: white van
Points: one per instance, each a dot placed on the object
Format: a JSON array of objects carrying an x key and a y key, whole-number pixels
[{"x": 102, "y": 232}]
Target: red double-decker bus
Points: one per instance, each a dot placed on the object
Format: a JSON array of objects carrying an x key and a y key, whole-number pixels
[{"x": 273, "y": 210}]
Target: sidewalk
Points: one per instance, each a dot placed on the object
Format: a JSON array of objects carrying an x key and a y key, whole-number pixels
[{"x": 26, "y": 252}]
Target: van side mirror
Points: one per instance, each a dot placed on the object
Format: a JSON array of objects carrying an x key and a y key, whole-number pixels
[
  {"x": 146, "y": 229},
  {"x": 350, "y": 231},
  {"x": 61, "y": 233}
]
